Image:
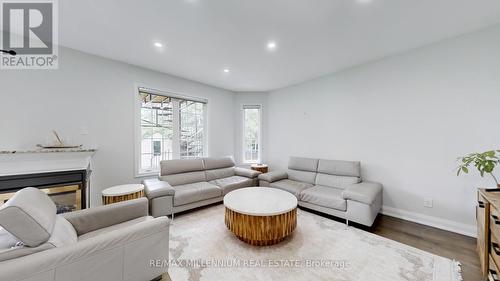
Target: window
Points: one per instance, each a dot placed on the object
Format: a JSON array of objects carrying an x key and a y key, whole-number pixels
[
  {"x": 251, "y": 133},
  {"x": 171, "y": 127},
  {"x": 192, "y": 138},
  {"x": 156, "y": 131}
]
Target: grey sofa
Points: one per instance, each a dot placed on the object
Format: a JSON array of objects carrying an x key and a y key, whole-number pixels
[
  {"x": 191, "y": 183},
  {"x": 329, "y": 186},
  {"x": 113, "y": 242}
]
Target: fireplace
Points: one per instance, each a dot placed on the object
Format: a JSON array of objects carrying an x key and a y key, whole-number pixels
[
  {"x": 65, "y": 175},
  {"x": 66, "y": 198},
  {"x": 67, "y": 189}
]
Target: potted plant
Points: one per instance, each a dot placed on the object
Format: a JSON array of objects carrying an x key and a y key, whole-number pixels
[{"x": 484, "y": 162}]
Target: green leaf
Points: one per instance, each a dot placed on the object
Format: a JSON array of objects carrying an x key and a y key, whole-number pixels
[{"x": 484, "y": 162}]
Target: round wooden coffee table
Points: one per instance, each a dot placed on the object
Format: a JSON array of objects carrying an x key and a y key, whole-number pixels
[
  {"x": 261, "y": 216},
  {"x": 121, "y": 193}
]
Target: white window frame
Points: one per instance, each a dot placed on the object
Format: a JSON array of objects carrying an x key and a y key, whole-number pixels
[
  {"x": 138, "y": 88},
  {"x": 259, "y": 138}
]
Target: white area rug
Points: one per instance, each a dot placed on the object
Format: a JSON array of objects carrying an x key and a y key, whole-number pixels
[{"x": 202, "y": 248}]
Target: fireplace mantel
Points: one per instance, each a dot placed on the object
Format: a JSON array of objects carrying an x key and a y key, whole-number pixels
[{"x": 20, "y": 162}]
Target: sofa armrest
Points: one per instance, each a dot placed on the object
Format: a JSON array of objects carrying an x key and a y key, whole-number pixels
[
  {"x": 155, "y": 188},
  {"x": 91, "y": 219},
  {"x": 273, "y": 176},
  {"x": 364, "y": 192},
  {"x": 246, "y": 173}
]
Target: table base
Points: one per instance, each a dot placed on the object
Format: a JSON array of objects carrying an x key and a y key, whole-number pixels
[
  {"x": 115, "y": 199},
  {"x": 261, "y": 230}
]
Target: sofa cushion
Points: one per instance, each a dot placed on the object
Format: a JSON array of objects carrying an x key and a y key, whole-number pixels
[
  {"x": 303, "y": 164},
  {"x": 231, "y": 183},
  {"x": 29, "y": 215},
  {"x": 219, "y": 173},
  {"x": 302, "y": 176},
  {"x": 324, "y": 196},
  {"x": 339, "y": 168},
  {"x": 294, "y": 187},
  {"x": 170, "y": 167},
  {"x": 335, "y": 181},
  {"x": 184, "y": 178},
  {"x": 211, "y": 163},
  {"x": 194, "y": 192}
]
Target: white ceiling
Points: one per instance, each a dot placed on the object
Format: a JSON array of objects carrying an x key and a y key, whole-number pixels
[{"x": 314, "y": 37}]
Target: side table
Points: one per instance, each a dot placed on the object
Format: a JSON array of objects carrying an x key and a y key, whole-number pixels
[
  {"x": 122, "y": 193},
  {"x": 263, "y": 168}
]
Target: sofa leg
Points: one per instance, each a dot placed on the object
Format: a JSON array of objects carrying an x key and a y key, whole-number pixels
[
  {"x": 347, "y": 222},
  {"x": 172, "y": 217}
]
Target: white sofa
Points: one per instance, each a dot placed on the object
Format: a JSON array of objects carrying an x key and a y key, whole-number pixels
[
  {"x": 114, "y": 242},
  {"x": 190, "y": 183},
  {"x": 329, "y": 186}
]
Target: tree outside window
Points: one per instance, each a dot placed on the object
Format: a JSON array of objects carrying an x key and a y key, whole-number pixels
[{"x": 251, "y": 133}]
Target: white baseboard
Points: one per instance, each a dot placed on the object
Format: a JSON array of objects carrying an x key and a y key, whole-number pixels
[{"x": 461, "y": 228}]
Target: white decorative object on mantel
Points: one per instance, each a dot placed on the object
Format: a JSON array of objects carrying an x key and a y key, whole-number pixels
[{"x": 23, "y": 162}]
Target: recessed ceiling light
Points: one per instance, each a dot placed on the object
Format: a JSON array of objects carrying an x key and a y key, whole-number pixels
[
  {"x": 226, "y": 70},
  {"x": 158, "y": 44},
  {"x": 271, "y": 45},
  {"x": 364, "y": 1}
]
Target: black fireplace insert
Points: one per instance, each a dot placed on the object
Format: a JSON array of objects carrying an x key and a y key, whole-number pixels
[{"x": 68, "y": 189}]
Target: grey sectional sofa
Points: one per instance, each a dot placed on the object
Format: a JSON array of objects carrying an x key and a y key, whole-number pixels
[
  {"x": 112, "y": 242},
  {"x": 191, "y": 183},
  {"x": 329, "y": 186}
]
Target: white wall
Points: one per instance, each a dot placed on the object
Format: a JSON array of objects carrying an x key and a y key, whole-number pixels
[
  {"x": 406, "y": 118},
  {"x": 97, "y": 93},
  {"x": 249, "y": 98}
]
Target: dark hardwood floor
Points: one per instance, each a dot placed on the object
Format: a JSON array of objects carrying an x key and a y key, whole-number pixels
[{"x": 440, "y": 242}]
